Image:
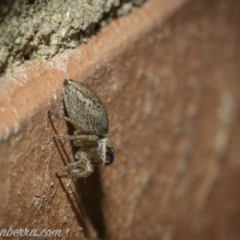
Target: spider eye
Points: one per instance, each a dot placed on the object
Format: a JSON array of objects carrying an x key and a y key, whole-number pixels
[{"x": 109, "y": 155}]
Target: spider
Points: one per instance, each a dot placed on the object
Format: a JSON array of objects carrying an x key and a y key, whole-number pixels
[{"x": 88, "y": 116}]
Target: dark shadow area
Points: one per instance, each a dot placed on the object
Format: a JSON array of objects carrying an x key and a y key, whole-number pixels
[
  {"x": 86, "y": 200},
  {"x": 75, "y": 207},
  {"x": 91, "y": 193}
]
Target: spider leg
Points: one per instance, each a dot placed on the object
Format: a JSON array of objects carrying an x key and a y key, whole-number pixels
[
  {"x": 81, "y": 128},
  {"x": 80, "y": 140},
  {"x": 79, "y": 169},
  {"x": 78, "y": 137}
]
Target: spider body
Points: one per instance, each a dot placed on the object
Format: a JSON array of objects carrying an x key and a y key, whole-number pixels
[{"x": 89, "y": 117}]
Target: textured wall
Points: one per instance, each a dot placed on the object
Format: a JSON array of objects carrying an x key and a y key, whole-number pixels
[
  {"x": 172, "y": 90},
  {"x": 41, "y": 29}
]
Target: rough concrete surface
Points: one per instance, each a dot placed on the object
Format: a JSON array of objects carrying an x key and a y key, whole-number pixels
[
  {"x": 40, "y": 29},
  {"x": 171, "y": 87}
]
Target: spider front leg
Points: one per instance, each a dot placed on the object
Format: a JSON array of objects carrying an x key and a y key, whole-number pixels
[
  {"x": 80, "y": 140},
  {"x": 79, "y": 169}
]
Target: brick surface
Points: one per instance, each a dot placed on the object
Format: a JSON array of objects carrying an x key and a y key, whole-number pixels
[{"x": 169, "y": 76}]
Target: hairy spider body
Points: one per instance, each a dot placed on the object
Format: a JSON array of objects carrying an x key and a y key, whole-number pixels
[{"x": 89, "y": 117}]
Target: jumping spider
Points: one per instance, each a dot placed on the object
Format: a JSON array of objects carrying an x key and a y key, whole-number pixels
[{"x": 89, "y": 117}]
